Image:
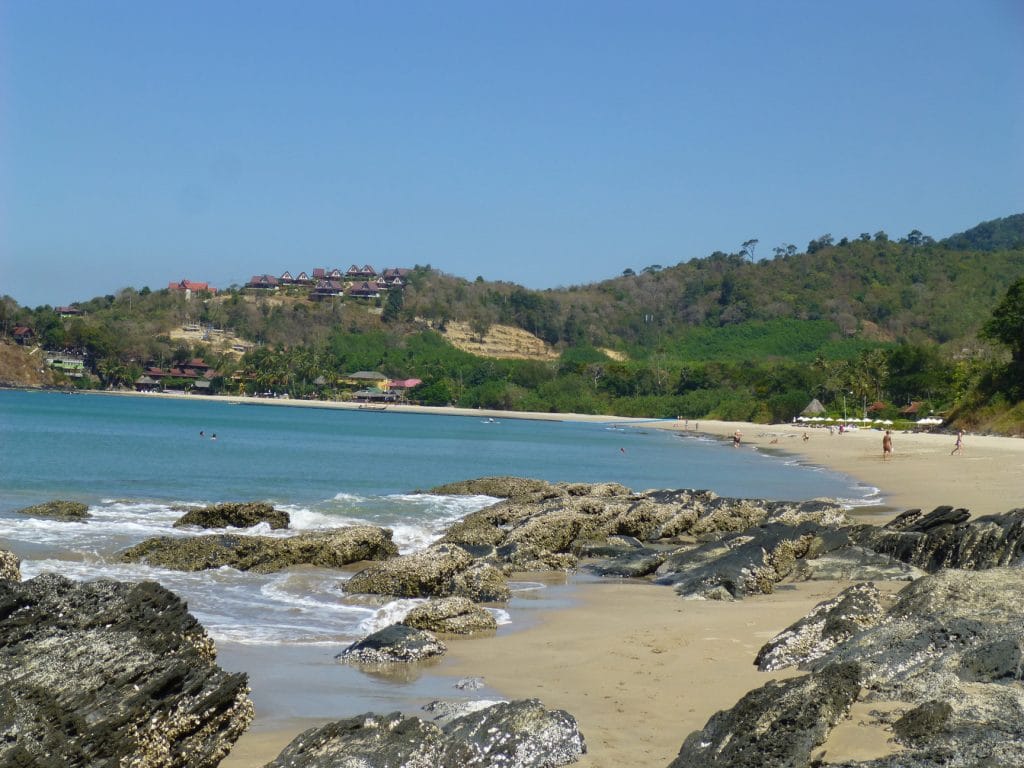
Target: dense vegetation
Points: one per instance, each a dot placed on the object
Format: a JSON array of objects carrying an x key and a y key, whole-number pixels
[{"x": 856, "y": 322}]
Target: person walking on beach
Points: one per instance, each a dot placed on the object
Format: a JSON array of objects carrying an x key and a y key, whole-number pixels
[
  {"x": 886, "y": 445},
  {"x": 959, "y": 443}
]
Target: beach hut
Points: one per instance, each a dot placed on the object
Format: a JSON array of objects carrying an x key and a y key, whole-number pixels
[{"x": 814, "y": 408}]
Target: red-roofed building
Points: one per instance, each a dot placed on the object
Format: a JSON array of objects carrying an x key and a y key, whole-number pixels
[
  {"x": 23, "y": 334},
  {"x": 263, "y": 282},
  {"x": 191, "y": 285}
]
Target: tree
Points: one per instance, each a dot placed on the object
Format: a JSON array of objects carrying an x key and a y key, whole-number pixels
[
  {"x": 393, "y": 308},
  {"x": 748, "y": 248},
  {"x": 1006, "y": 325},
  {"x": 822, "y": 242}
]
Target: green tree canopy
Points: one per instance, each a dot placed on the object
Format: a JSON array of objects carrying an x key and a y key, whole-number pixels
[{"x": 1007, "y": 322}]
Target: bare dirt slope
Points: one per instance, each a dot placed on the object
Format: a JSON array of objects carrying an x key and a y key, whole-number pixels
[
  {"x": 502, "y": 341},
  {"x": 23, "y": 367},
  {"x": 221, "y": 342}
]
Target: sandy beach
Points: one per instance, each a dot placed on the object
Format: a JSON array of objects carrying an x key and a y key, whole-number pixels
[{"x": 641, "y": 668}]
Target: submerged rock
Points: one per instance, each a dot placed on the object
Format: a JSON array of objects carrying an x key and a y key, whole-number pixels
[
  {"x": 451, "y": 615},
  {"x": 516, "y": 734},
  {"x": 234, "y": 515},
  {"x": 500, "y": 487},
  {"x": 58, "y": 510},
  {"x": 264, "y": 554},
  {"x": 394, "y": 643},
  {"x": 107, "y": 674},
  {"x": 10, "y": 566}
]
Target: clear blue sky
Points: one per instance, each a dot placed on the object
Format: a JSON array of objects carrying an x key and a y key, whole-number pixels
[{"x": 546, "y": 143}]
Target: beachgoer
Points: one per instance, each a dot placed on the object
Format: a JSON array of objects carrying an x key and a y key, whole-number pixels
[
  {"x": 886, "y": 445},
  {"x": 202, "y": 433},
  {"x": 736, "y": 436},
  {"x": 806, "y": 437},
  {"x": 959, "y": 442},
  {"x": 213, "y": 436}
]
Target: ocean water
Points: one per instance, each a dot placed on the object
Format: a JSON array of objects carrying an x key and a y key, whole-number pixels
[{"x": 136, "y": 460}]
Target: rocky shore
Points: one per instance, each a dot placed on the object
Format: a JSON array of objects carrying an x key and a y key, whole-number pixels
[{"x": 942, "y": 658}]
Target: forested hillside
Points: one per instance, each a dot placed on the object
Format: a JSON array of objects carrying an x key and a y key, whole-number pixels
[{"x": 867, "y": 320}]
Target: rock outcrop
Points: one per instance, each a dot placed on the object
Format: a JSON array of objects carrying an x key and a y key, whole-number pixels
[
  {"x": 234, "y": 515},
  {"x": 58, "y": 509},
  {"x": 106, "y": 674},
  {"x": 10, "y": 566},
  {"x": 948, "y": 654},
  {"x": 829, "y": 623},
  {"x": 516, "y": 734},
  {"x": 394, "y": 643},
  {"x": 548, "y": 526},
  {"x": 946, "y": 538},
  {"x": 451, "y": 615},
  {"x": 438, "y": 571},
  {"x": 778, "y": 724},
  {"x": 738, "y": 564},
  {"x": 265, "y": 554}
]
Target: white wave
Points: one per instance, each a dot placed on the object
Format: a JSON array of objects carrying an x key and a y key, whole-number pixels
[
  {"x": 500, "y": 615},
  {"x": 349, "y": 497},
  {"x": 388, "y": 614},
  {"x": 872, "y": 498},
  {"x": 526, "y": 586},
  {"x": 286, "y": 589}
]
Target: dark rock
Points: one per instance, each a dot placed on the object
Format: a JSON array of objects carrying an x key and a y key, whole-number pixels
[
  {"x": 922, "y": 723},
  {"x": 829, "y": 623},
  {"x": 998, "y": 660},
  {"x": 58, "y": 510},
  {"x": 106, "y": 674},
  {"x": 441, "y": 570},
  {"x": 943, "y": 540},
  {"x": 952, "y": 637},
  {"x": 777, "y": 725},
  {"x": 394, "y": 643},
  {"x": 367, "y": 741},
  {"x": 234, "y": 515},
  {"x": 10, "y": 566},
  {"x": 451, "y": 615},
  {"x": 632, "y": 565},
  {"x": 613, "y": 546},
  {"x": 517, "y": 734},
  {"x": 853, "y": 563},
  {"x": 499, "y": 487},
  {"x": 265, "y": 554},
  {"x": 739, "y": 564}
]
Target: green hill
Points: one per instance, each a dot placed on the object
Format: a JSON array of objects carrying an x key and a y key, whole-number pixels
[{"x": 867, "y": 318}]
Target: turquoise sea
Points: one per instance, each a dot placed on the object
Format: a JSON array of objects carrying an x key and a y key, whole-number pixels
[{"x": 135, "y": 460}]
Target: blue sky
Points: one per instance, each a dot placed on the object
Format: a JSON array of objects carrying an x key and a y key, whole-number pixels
[{"x": 545, "y": 143}]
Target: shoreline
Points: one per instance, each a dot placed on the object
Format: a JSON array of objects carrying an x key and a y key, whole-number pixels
[
  {"x": 639, "y": 667},
  {"x": 988, "y": 478}
]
